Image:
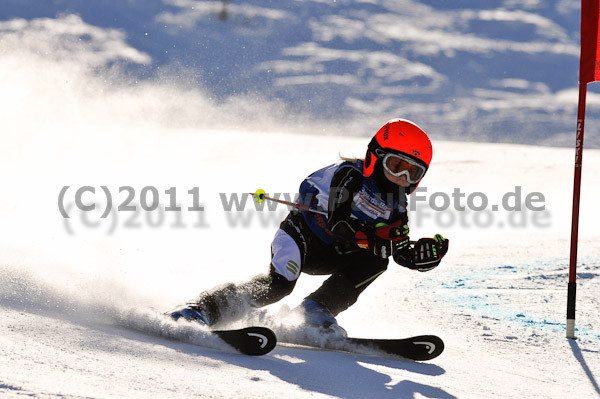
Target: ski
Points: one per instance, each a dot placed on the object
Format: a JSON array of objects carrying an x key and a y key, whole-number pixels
[
  {"x": 418, "y": 348},
  {"x": 284, "y": 324},
  {"x": 252, "y": 341}
]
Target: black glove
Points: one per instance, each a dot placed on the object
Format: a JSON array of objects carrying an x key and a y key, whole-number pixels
[
  {"x": 386, "y": 248},
  {"x": 391, "y": 238},
  {"x": 426, "y": 254},
  {"x": 381, "y": 247},
  {"x": 383, "y": 240}
]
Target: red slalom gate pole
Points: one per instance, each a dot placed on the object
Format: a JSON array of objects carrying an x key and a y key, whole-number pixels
[
  {"x": 589, "y": 71},
  {"x": 572, "y": 286}
]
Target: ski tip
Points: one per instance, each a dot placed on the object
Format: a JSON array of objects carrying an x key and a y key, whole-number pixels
[
  {"x": 417, "y": 348},
  {"x": 252, "y": 341},
  {"x": 427, "y": 347}
]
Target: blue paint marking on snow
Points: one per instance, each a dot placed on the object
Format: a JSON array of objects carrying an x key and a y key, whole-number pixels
[
  {"x": 490, "y": 310},
  {"x": 487, "y": 292}
]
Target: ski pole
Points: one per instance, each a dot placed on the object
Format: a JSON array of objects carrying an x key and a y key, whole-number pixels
[{"x": 260, "y": 196}]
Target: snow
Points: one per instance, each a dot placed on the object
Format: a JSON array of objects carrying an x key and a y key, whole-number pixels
[{"x": 79, "y": 296}]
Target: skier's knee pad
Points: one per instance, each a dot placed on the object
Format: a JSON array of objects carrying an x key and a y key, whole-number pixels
[{"x": 286, "y": 256}]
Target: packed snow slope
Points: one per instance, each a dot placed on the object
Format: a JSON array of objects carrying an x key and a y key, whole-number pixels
[
  {"x": 79, "y": 294},
  {"x": 499, "y": 70},
  {"x": 81, "y": 284}
]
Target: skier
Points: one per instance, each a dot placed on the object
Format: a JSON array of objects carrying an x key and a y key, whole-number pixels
[{"x": 364, "y": 224}]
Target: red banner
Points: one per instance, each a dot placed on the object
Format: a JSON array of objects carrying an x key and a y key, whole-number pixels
[{"x": 589, "y": 64}]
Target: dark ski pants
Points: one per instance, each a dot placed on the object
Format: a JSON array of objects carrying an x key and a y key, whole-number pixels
[{"x": 351, "y": 273}]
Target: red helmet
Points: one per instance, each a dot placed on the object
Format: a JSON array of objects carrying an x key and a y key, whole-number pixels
[{"x": 403, "y": 137}]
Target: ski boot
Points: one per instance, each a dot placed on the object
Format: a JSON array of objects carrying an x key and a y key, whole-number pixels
[
  {"x": 318, "y": 316},
  {"x": 190, "y": 312}
]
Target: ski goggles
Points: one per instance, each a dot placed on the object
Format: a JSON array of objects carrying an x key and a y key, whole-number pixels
[{"x": 401, "y": 165}]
